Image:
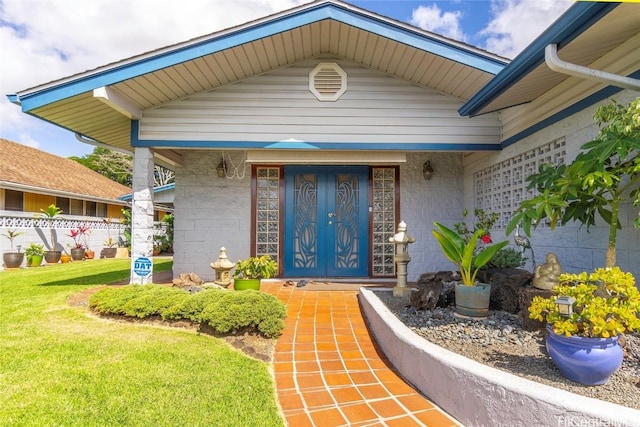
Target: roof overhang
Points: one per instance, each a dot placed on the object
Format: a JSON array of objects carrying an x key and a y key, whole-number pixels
[
  {"x": 101, "y": 104},
  {"x": 583, "y": 34}
]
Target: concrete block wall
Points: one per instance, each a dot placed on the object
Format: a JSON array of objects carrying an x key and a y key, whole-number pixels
[
  {"x": 210, "y": 212},
  {"x": 577, "y": 249},
  {"x": 422, "y": 202}
]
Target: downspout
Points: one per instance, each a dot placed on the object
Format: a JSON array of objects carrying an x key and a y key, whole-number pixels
[
  {"x": 86, "y": 140},
  {"x": 556, "y": 64}
]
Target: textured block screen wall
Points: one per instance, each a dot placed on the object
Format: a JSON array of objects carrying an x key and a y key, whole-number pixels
[{"x": 502, "y": 186}]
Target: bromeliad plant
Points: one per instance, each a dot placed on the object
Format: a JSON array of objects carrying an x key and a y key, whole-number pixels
[
  {"x": 465, "y": 254},
  {"x": 607, "y": 304}
]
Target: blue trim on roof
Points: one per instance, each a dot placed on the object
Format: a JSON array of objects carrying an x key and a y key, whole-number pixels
[
  {"x": 311, "y": 14},
  {"x": 159, "y": 189},
  {"x": 572, "y": 23},
  {"x": 560, "y": 115}
]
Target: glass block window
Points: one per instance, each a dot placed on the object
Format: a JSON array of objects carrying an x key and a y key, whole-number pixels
[
  {"x": 502, "y": 186},
  {"x": 267, "y": 211},
  {"x": 384, "y": 221}
]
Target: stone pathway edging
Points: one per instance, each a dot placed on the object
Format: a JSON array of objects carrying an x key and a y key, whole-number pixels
[{"x": 476, "y": 394}]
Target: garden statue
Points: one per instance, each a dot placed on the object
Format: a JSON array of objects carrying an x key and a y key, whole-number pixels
[
  {"x": 401, "y": 239},
  {"x": 546, "y": 275}
]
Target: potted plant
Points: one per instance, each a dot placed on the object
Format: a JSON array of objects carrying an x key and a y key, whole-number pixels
[
  {"x": 12, "y": 259},
  {"x": 52, "y": 256},
  {"x": 585, "y": 316},
  {"x": 34, "y": 253},
  {"x": 78, "y": 251},
  {"x": 65, "y": 258},
  {"x": 250, "y": 271},
  {"x": 110, "y": 248},
  {"x": 472, "y": 299}
]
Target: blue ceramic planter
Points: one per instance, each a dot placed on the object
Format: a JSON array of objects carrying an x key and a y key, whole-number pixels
[{"x": 589, "y": 361}]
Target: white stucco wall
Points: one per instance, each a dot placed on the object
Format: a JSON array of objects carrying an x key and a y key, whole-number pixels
[{"x": 577, "y": 249}]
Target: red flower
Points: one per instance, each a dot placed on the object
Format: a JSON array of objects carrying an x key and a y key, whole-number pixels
[{"x": 486, "y": 239}]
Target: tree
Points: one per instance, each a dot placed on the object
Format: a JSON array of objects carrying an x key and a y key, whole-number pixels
[
  {"x": 595, "y": 183},
  {"x": 116, "y": 166},
  {"x": 119, "y": 167}
]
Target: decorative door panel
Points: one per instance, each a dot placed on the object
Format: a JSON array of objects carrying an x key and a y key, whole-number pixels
[{"x": 326, "y": 221}]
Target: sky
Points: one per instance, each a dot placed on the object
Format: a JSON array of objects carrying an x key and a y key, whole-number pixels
[{"x": 45, "y": 40}]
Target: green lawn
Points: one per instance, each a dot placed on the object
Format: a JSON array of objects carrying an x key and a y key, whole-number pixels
[{"x": 59, "y": 366}]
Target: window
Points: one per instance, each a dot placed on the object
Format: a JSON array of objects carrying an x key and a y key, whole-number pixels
[
  {"x": 75, "y": 207},
  {"x": 63, "y": 204},
  {"x": 91, "y": 209},
  {"x": 101, "y": 209},
  {"x": 13, "y": 200}
]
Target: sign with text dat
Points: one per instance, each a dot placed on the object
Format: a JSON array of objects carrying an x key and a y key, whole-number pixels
[{"x": 142, "y": 266}]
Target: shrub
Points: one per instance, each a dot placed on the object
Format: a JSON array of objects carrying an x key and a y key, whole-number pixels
[
  {"x": 137, "y": 300},
  {"x": 225, "y": 311},
  {"x": 235, "y": 311},
  {"x": 507, "y": 258},
  {"x": 607, "y": 303}
]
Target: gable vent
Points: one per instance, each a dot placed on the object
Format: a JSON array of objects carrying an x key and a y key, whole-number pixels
[{"x": 327, "y": 81}]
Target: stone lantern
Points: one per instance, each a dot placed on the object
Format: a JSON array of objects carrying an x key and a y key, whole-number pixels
[
  {"x": 222, "y": 267},
  {"x": 401, "y": 239}
]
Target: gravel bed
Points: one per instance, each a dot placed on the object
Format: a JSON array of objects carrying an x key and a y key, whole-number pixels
[{"x": 500, "y": 341}]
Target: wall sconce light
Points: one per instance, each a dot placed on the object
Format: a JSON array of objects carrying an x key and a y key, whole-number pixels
[
  {"x": 427, "y": 170},
  {"x": 565, "y": 305},
  {"x": 222, "y": 168}
]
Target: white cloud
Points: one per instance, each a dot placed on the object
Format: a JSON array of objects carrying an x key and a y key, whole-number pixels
[
  {"x": 431, "y": 18},
  {"x": 516, "y": 23},
  {"x": 44, "y": 40}
]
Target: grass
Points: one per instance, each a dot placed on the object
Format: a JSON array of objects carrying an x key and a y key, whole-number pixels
[{"x": 59, "y": 366}]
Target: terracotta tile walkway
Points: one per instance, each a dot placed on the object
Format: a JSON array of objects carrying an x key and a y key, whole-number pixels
[{"x": 329, "y": 373}]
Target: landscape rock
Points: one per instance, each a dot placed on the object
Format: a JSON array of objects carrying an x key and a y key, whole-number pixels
[
  {"x": 506, "y": 285},
  {"x": 185, "y": 280},
  {"x": 434, "y": 288}
]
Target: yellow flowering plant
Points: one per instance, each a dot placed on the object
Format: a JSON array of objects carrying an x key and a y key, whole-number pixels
[{"x": 607, "y": 304}]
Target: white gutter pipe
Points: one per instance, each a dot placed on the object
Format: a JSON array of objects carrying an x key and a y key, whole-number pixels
[
  {"x": 86, "y": 140},
  {"x": 560, "y": 66}
]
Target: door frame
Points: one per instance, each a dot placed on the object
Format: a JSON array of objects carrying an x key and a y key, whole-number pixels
[{"x": 281, "y": 195}]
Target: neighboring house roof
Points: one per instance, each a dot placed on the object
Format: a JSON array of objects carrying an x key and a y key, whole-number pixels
[
  {"x": 102, "y": 104},
  {"x": 162, "y": 195},
  {"x": 28, "y": 169},
  {"x": 586, "y": 32}
]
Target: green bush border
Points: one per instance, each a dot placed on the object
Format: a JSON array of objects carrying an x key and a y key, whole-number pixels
[{"x": 227, "y": 312}]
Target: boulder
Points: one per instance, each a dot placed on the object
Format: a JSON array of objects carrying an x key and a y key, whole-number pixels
[
  {"x": 185, "y": 280},
  {"x": 434, "y": 289},
  {"x": 506, "y": 284},
  {"x": 525, "y": 297}
]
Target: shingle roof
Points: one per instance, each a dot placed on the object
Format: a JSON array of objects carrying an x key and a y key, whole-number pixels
[{"x": 26, "y": 166}]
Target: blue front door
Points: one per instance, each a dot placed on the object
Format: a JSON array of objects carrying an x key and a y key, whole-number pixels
[{"x": 326, "y": 221}]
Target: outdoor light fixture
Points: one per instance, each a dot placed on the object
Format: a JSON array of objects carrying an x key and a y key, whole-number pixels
[
  {"x": 427, "y": 170},
  {"x": 222, "y": 168},
  {"x": 565, "y": 305}
]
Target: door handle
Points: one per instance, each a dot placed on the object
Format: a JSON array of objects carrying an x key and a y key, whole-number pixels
[{"x": 331, "y": 215}]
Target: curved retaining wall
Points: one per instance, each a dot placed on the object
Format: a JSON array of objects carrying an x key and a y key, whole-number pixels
[{"x": 478, "y": 395}]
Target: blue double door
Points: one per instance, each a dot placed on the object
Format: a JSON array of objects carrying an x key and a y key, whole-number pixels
[{"x": 326, "y": 221}]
